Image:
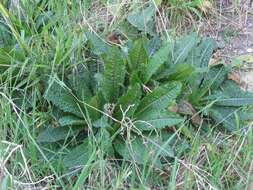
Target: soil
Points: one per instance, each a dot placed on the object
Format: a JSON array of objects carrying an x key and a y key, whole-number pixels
[{"x": 233, "y": 29}]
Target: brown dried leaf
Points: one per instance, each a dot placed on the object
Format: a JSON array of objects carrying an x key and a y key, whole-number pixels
[
  {"x": 206, "y": 6},
  {"x": 114, "y": 39},
  {"x": 216, "y": 58},
  {"x": 235, "y": 76},
  {"x": 186, "y": 108}
]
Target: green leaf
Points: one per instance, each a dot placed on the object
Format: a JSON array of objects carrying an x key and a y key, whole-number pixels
[
  {"x": 175, "y": 72},
  {"x": 138, "y": 55},
  {"x": 183, "y": 47},
  {"x": 80, "y": 82},
  {"x": 71, "y": 120},
  {"x": 156, "y": 119},
  {"x": 181, "y": 72},
  {"x": 62, "y": 98},
  {"x": 7, "y": 55},
  {"x": 137, "y": 151},
  {"x": 158, "y": 2},
  {"x": 114, "y": 75},
  {"x": 79, "y": 156},
  {"x": 131, "y": 98},
  {"x": 153, "y": 45},
  {"x": 225, "y": 116},
  {"x": 201, "y": 55},
  {"x": 232, "y": 118},
  {"x": 156, "y": 61},
  {"x": 95, "y": 105},
  {"x": 54, "y": 134},
  {"x": 209, "y": 82},
  {"x": 135, "y": 78},
  {"x": 160, "y": 98},
  {"x": 102, "y": 123},
  {"x": 99, "y": 46},
  {"x": 143, "y": 19},
  {"x": 232, "y": 95}
]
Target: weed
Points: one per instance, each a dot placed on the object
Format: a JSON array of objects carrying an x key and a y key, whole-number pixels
[{"x": 146, "y": 112}]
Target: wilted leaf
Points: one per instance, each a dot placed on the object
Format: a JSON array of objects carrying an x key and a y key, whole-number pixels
[
  {"x": 235, "y": 76},
  {"x": 186, "y": 108}
]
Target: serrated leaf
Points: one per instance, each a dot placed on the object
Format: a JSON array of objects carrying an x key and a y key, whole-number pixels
[
  {"x": 62, "y": 98},
  {"x": 214, "y": 77},
  {"x": 160, "y": 98},
  {"x": 232, "y": 118},
  {"x": 181, "y": 72},
  {"x": 114, "y": 75},
  {"x": 138, "y": 54},
  {"x": 71, "y": 120},
  {"x": 54, "y": 134},
  {"x": 156, "y": 61},
  {"x": 154, "y": 119},
  {"x": 134, "y": 78},
  {"x": 79, "y": 156}
]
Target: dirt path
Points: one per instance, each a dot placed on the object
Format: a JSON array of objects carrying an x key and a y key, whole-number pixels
[{"x": 232, "y": 27}]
